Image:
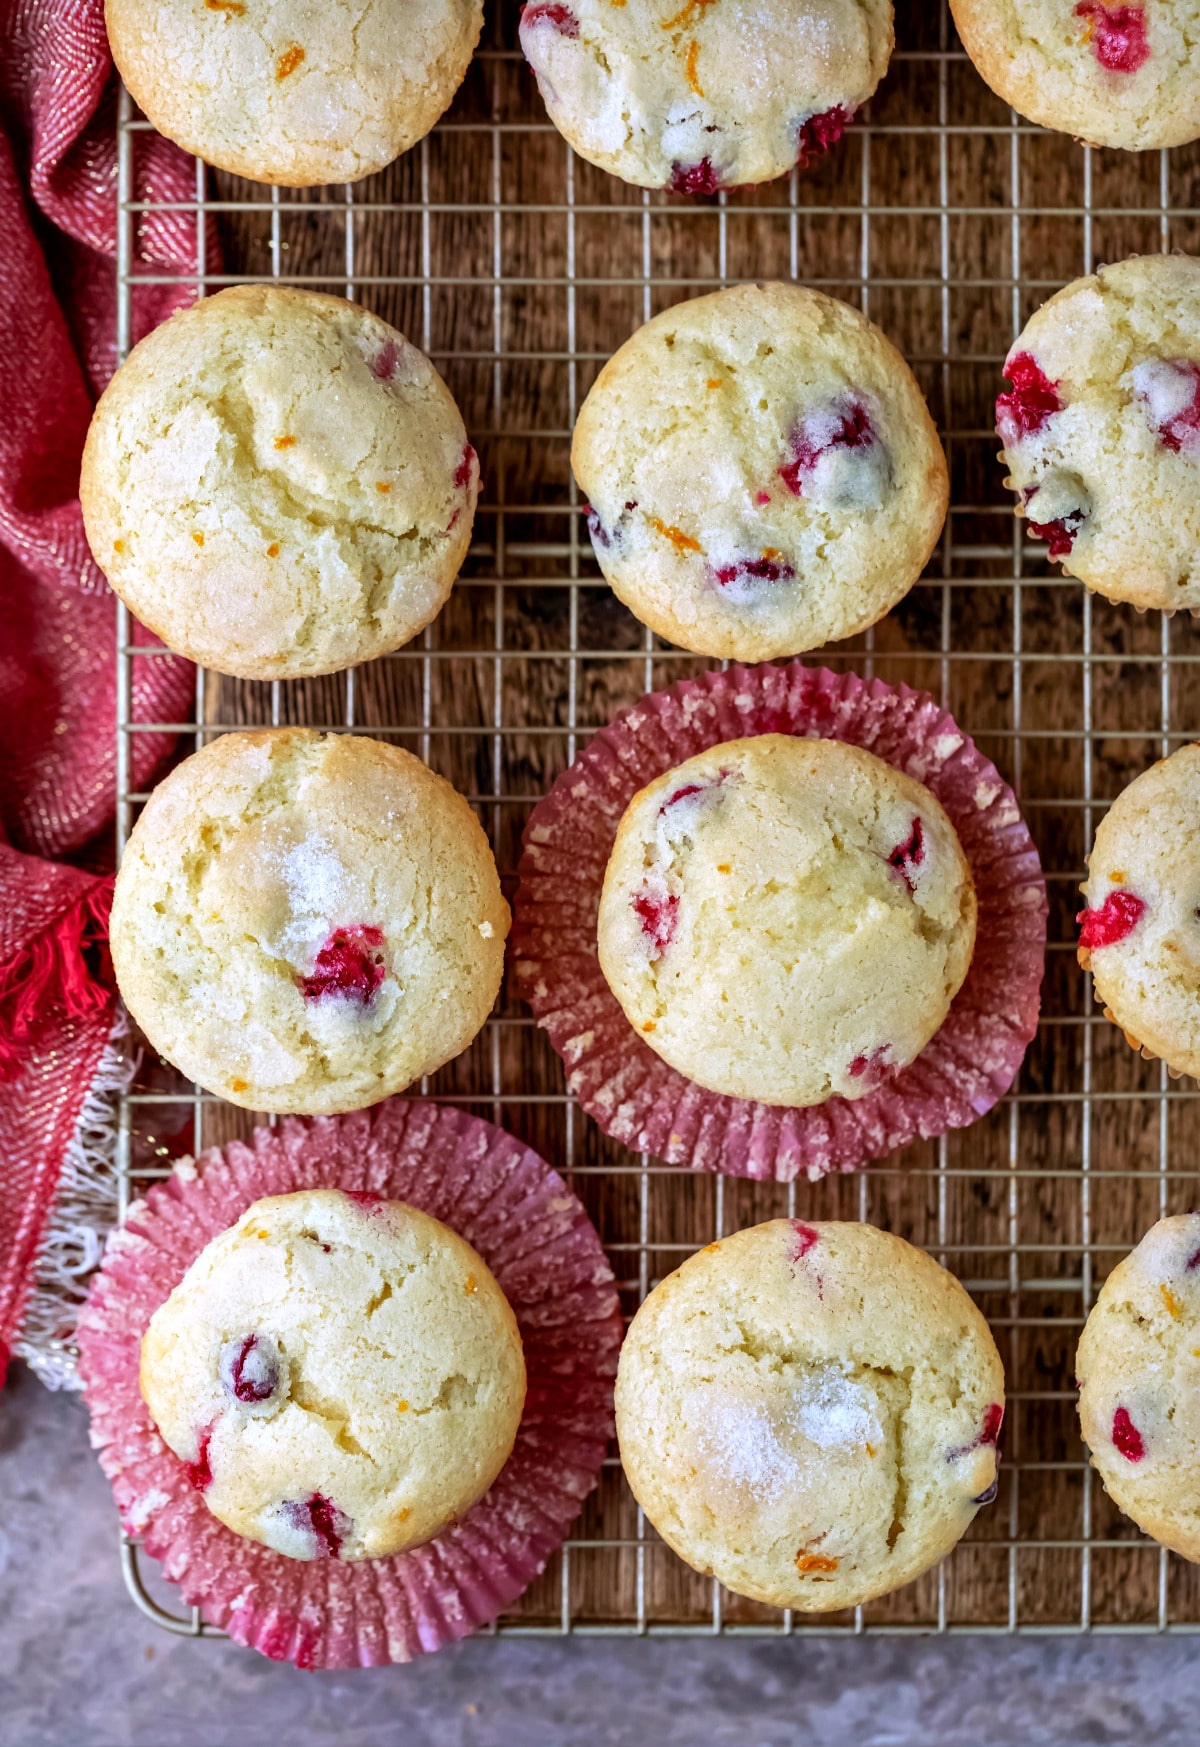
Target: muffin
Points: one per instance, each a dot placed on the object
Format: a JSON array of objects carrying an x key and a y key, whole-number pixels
[
  {"x": 1101, "y": 429},
  {"x": 810, "y": 1413},
  {"x": 341, "y": 1375},
  {"x": 278, "y": 484},
  {"x": 1139, "y": 935},
  {"x": 786, "y": 919},
  {"x": 1138, "y": 1368},
  {"x": 291, "y": 92},
  {"x": 698, "y": 98},
  {"x": 1112, "y": 74},
  {"x": 307, "y": 922},
  {"x": 762, "y": 471}
]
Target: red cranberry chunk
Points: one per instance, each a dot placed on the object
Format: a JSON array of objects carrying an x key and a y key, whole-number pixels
[
  {"x": 249, "y": 1368},
  {"x": 366, "y": 1200},
  {"x": 383, "y": 364},
  {"x": 1114, "y": 921},
  {"x": 328, "y": 1525},
  {"x": 1032, "y": 399},
  {"x": 803, "y": 1238},
  {"x": 872, "y": 1069},
  {"x": 557, "y": 16},
  {"x": 658, "y": 914},
  {"x": 993, "y": 1419},
  {"x": 1117, "y": 35},
  {"x": 1169, "y": 391},
  {"x": 762, "y": 569},
  {"x": 699, "y": 178},
  {"x": 846, "y": 425},
  {"x": 199, "y": 1473},
  {"x": 349, "y": 965},
  {"x": 1126, "y": 1437},
  {"x": 818, "y": 132},
  {"x": 467, "y": 463},
  {"x": 1059, "y": 534},
  {"x": 908, "y": 856}
]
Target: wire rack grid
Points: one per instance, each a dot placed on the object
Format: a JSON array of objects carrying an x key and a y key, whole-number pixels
[{"x": 520, "y": 269}]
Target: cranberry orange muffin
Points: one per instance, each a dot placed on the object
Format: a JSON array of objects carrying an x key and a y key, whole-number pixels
[
  {"x": 786, "y": 919},
  {"x": 762, "y": 471},
  {"x": 1114, "y": 74},
  {"x": 1140, "y": 933},
  {"x": 307, "y": 922},
  {"x": 810, "y": 1413},
  {"x": 291, "y": 92},
  {"x": 1101, "y": 429},
  {"x": 278, "y": 483},
  {"x": 341, "y": 1374},
  {"x": 685, "y": 95},
  {"x": 1138, "y": 1367}
]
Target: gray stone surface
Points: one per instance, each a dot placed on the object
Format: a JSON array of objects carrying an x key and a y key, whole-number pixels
[{"x": 80, "y": 1667}]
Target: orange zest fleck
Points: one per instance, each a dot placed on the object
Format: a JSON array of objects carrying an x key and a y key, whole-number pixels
[
  {"x": 1117, "y": 876},
  {"x": 676, "y": 536},
  {"x": 403, "y": 1514},
  {"x": 233, "y": 6},
  {"x": 402, "y": 1407},
  {"x": 118, "y": 545},
  {"x": 870, "y": 1449},
  {"x": 471, "y": 1284},
  {"x": 263, "y": 1234},
  {"x": 273, "y": 549},
  {"x": 694, "y": 84},
  {"x": 709, "y": 1248},
  {"x": 724, "y": 867},
  {"x": 284, "y": 442},
  {"x": 198, "y": 538},
  {"x": 238, "y": 1085},
  {"x": 693, "y": 6},
  {"x": 715, "y": 381},
  {"x": 1172, "y": 1303},
  {"x": 815, "y": 1561},
  {"x": 771, "y": 552},
  {"x": 384, "y": 485},
  {"x": 288, "y": 61},
  {"x": 649, "y": 1025}
]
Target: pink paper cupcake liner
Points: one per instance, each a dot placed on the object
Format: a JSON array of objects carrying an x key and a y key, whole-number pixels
[
  {"x": 630, "y": 1091},
  {"x": 544, "y": 1251}
]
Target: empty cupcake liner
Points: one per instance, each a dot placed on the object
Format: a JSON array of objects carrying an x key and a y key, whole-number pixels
[
  {"x": 543, "y": 1250},
  {"x": 629, "y": 1091}
]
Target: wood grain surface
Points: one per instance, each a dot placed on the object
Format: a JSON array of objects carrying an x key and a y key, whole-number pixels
[{"x": 948, "y": 224}]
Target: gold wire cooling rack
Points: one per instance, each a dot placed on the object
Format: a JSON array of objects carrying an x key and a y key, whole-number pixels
[{"x": 520, "y": 269}]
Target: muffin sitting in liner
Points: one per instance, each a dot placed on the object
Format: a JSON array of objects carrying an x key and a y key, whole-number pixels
[{"x": 341, "y": 1374}]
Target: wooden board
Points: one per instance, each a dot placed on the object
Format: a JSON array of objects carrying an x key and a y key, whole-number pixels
[{"x": 948, "y": 224}]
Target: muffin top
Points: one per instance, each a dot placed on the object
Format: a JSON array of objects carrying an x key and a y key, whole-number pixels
[
  {"x": 1140, "y": 933},
  {"x": 341, "y": 1374},
  {"x": 1110, "y": 73},
  {"x": 762, "y": 471},
  {"x": 277, "y": 483},
  {"x": 292, "y": 92},
  {"x": 1138, "y": 1367},
  {"x": 685, "y": 95},
  {"x": 1101, "y": 429},
  {"x": 786, "y": 919},
  {"x": 810, "y": 1412},
  {"x": 307, "y": 922}
]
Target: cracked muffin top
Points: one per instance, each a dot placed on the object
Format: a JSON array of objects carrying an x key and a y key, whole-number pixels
[
  {"x": 341, "y": 1374},
  {"x": 278, "y": 484},
  {"x": 1112, "y": 74},
  {"x": 700, "y": 95},
  {"x": 762, "y": 471},
  {"x": 307, "y": 922},
  {"x": 292, "y": 92},
  {"x": 1138, "y": 1369},
  {"x": 786, "y": 919},
  {"x": 1101, "y": 429},
  {"x": 810, "y": 1413}
]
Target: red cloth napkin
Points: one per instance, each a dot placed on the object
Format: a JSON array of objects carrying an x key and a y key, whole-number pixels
[{"x": 58, "y": 181}]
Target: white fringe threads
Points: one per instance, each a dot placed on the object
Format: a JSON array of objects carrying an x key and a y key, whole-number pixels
[{"x": 84, "y": 1212}]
